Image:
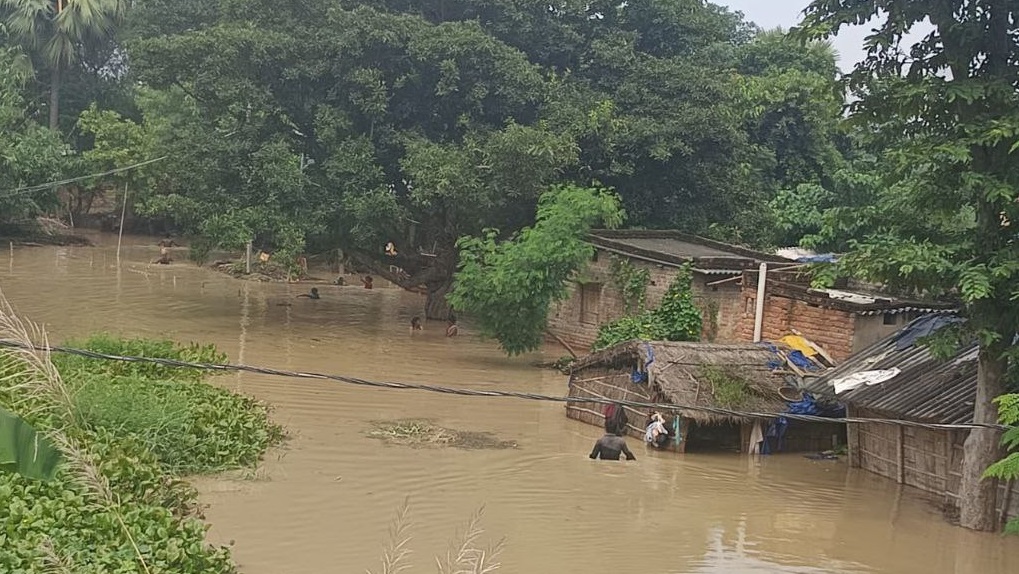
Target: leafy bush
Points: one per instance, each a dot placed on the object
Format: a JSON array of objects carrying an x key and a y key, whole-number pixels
[
  {"x": 1008, "y": 467},
  {"x": 117, "y": 504},
  {"x": 191, "y": 427},
  {"x": 507, "y": 286},
  {"x": 677, "y": 318}
]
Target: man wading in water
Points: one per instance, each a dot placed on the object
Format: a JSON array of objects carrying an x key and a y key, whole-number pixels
[{"x": 610, "y": 446}]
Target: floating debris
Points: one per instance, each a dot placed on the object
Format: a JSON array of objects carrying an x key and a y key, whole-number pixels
[{"x": 423, "y": 433}]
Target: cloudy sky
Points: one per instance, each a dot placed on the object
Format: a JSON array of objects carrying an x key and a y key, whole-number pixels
[{"x": 787, "y": 13}]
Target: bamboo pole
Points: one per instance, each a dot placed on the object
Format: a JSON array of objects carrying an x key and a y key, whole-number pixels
[
  {"x": 120, "y": 234},
  {"x": 563, "y": 343},
  {"x": 1006, "y": 503},
  {"x": 901, "y": 455},
  {"x": 247, "y": 258}
]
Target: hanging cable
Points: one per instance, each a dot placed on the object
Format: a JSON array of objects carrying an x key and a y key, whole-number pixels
[
  {"x": 51, "y": 184},
  {"x": 488, "y": 393}
]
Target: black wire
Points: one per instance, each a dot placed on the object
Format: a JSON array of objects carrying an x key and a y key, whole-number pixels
[{"x": 489, "y": 393}]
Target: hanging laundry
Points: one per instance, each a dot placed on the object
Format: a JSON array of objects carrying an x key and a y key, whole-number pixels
[
  {"x": 756, "y": 438},
  {"x": 850, "y": 382}
]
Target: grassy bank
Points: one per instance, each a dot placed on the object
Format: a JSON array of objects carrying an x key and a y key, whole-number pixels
[{"x": 128, "y": 434}]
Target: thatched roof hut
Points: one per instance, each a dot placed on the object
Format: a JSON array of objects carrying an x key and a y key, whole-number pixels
[{"x": 707, "y": 382}]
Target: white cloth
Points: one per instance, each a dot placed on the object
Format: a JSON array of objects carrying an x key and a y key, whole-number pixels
[
  {"x": 850, "y": 382},
  {"x": 756, "y": 438},
  {"x": 654, "y": 430}
]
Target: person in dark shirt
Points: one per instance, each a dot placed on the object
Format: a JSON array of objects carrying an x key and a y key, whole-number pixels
[{"x": 610, "y": 446}]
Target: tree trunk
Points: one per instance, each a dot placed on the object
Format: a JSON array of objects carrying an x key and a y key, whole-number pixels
[
  {"x": 55, "y": 98},
  {"x": 436, "y": 306},
  {"x": 982, "y": 446}
]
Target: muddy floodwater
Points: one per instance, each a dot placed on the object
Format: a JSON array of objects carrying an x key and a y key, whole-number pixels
[{"x": 323, "y": 503}]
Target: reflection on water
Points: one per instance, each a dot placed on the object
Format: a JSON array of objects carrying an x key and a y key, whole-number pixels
[{"x": 323, "y": 503}]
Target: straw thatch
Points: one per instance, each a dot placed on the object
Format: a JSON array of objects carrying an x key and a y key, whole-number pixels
[{"x": 689, "y": 374}]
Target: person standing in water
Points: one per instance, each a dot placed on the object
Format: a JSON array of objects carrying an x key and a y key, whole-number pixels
[
  {"x": 367, "y": 281},
  {"x": 313, "y": 295},
  {"x": 164, "y": 256},
  {"x": 452, "y": 329},
  {"x": 415, "y": 324},
  {"x": 610, "y": 446}
]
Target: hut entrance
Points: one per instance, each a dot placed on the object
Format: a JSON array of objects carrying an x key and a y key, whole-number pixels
[{"x": 720, "y": 437}]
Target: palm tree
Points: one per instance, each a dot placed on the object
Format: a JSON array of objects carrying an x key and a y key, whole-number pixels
[{"x": 57, "y": 31}]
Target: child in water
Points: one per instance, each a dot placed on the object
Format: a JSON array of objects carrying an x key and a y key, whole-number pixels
[
  {"x": 452, "y": 330},
  {"x": 415, "y": 324},
  {"x": 367, "y": 281}
]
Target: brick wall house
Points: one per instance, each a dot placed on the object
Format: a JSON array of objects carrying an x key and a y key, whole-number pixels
[
  {"x": 596, "y": 299},
  {"x": 842, "y": 322}
]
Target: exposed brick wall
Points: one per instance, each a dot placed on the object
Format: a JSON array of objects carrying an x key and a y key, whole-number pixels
[
  {"x": 578, "y": 325},
  {"x": 832, "y": 329}
]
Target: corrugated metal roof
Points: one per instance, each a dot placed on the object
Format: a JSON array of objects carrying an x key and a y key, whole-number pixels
[
  {"x": 927, "y": 389},
  {"x": 717, "y": 271}
]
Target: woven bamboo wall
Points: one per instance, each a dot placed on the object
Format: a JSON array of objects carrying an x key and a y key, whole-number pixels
[
  {"x": 930, "y": 460},
  {"x": 607, "y": 384}
]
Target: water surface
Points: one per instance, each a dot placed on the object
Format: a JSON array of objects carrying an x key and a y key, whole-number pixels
[{"x": 323, "y": 503}]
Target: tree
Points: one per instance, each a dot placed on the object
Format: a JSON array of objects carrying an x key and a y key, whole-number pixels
[
  {"x": 791, "y": 107},
  {"x": 57, "y": 32},
  {"x": 509, "y": 285},
  {"x": 946, "y": 112},
  {"x": 29, "y": 153}
]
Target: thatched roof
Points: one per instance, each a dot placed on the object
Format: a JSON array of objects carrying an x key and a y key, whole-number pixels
[{"x": 731, "y": 377}]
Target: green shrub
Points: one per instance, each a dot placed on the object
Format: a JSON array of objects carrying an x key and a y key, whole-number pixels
[
  {"x": 69, "y": 365},
  {"x": 119, "y": 501},
  {"x": 1008, "y": 467},
  {"x": 677, "y": 318},
  {"x": 157, "y": 512}
]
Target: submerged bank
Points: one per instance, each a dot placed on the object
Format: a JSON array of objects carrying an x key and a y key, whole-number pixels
[{"x": 128, "y": 434}]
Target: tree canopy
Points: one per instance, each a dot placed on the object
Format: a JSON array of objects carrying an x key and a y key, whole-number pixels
[
  {"x": 944, "y": 112},
  {"x": 304, "y": 127},
  {"x": 509, "y": 286}
]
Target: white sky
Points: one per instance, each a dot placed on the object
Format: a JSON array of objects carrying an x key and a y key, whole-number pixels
[{"x": 787, "y": 13}]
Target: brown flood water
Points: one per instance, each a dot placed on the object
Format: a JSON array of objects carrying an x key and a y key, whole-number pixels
[{"x": 323, "y": 503}]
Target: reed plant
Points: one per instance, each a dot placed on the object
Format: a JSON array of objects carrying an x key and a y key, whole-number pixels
[{"x": 464, "y": 555}]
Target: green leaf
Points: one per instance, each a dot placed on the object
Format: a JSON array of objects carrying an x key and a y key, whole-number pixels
[{"x": 25, "y": 451}]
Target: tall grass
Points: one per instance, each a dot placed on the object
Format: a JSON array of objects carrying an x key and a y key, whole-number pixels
[{"x": 465, "y": 554}]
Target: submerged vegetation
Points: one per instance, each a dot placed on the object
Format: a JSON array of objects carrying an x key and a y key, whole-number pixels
[
  {"x": 128, "y": 434},
  {"x": 423, "y": 433}
]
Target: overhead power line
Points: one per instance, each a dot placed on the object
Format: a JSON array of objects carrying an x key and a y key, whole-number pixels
[
  {"x": 488, "y": 393},
  {"x": 48, "y": 185}
]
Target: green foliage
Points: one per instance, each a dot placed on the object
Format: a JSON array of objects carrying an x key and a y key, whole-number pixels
[
  {"x": 677, "y": 318},
  {"x": 943, "y": 116},
  {"x": 728, "y": 387},
  {"x": 24, "y": 451},
  {"x": 142, "y": 426},
  {"x": 60, "y": 35},
  {"x": 632, "y": 282},
  {"x": 509, "y": 285},
  {"x": 190, "y": 426},
  {"x": 29, "y": 153},
  {"x": 1008, "y": 467}
]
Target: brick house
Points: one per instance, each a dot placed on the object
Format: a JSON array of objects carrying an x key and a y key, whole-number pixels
[
  {"x": 842, "y": 321},
  {"x": 596, "y": 299}
]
